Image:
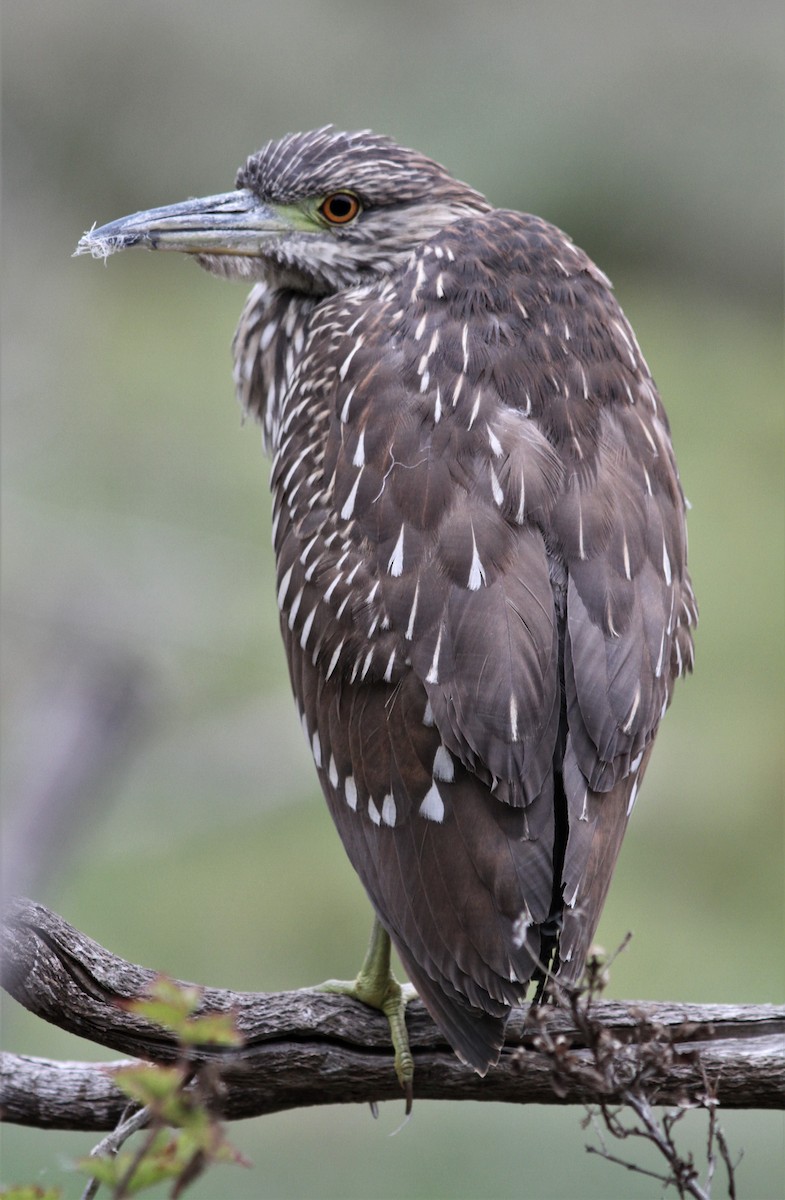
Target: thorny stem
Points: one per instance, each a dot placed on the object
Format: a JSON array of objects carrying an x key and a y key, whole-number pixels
[
  {"x": 730, "y": 1167},
  {"x": 605, "y": 1154},
  {"x": 631, "y": 1074},
  {"x": 683, "y": 1173}
]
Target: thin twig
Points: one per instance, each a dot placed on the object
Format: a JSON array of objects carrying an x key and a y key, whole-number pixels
[
  {"x": 629, "y": 1075},
  {"x": 110, "y": 1145},
  {"x": 123, "y": 1183}
]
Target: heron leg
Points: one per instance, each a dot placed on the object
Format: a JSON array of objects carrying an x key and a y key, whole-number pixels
[{"x": 376, "y": 986}]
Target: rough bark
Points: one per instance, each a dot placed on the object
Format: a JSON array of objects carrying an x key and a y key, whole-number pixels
[{"x": 306, "y": 1048}]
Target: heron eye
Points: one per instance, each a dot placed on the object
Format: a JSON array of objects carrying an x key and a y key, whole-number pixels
[{"x": 340, "y": 208}]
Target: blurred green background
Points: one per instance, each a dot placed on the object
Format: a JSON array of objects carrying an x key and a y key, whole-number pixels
[{"x": 136, "y": 519}]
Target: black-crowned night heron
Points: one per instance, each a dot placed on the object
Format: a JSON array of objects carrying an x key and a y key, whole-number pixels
[{"x": 481, "y": 551}]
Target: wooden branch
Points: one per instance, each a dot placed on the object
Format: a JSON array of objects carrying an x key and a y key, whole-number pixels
[{"x": 306, "y": 1048}]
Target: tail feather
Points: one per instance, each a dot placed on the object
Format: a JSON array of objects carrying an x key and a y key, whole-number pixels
[{"x": 476, "y": 1036}]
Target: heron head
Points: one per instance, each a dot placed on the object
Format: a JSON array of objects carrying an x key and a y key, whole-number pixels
[{"x": 315, "y": 212}]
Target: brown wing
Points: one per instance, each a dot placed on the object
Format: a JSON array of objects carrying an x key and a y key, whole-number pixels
[{"x": 479, "y": 532}]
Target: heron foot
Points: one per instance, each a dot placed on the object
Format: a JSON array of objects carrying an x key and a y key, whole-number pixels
[{"x": 377, "y": 987}]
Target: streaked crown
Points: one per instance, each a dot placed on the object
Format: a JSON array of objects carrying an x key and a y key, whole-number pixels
[{"x": 375, "y": 167}]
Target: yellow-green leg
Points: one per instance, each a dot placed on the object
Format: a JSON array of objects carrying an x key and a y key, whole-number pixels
[{"x": 376, "y": 986}]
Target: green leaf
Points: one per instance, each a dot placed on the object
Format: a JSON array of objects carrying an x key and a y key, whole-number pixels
[
  {"x": 213, "y": 1029},
  {"x": 172, "y": 1006},
  {"x": 162, "y": 1161},
  {"x": 150, "y": 1084},
  {"x": 166, "y": 1003},
  {"x": 182, "y": 1157}
]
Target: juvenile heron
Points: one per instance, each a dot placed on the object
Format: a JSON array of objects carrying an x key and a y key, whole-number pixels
[{"x": 481, "y": 551}]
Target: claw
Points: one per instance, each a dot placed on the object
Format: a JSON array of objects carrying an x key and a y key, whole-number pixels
[{"x": 377, "y": 987}]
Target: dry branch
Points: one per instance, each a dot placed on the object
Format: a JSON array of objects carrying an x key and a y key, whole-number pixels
[{"x": 307, "y": 1048}]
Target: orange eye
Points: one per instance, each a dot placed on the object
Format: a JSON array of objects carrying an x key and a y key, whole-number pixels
[{"x": 340, "y": 208}]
